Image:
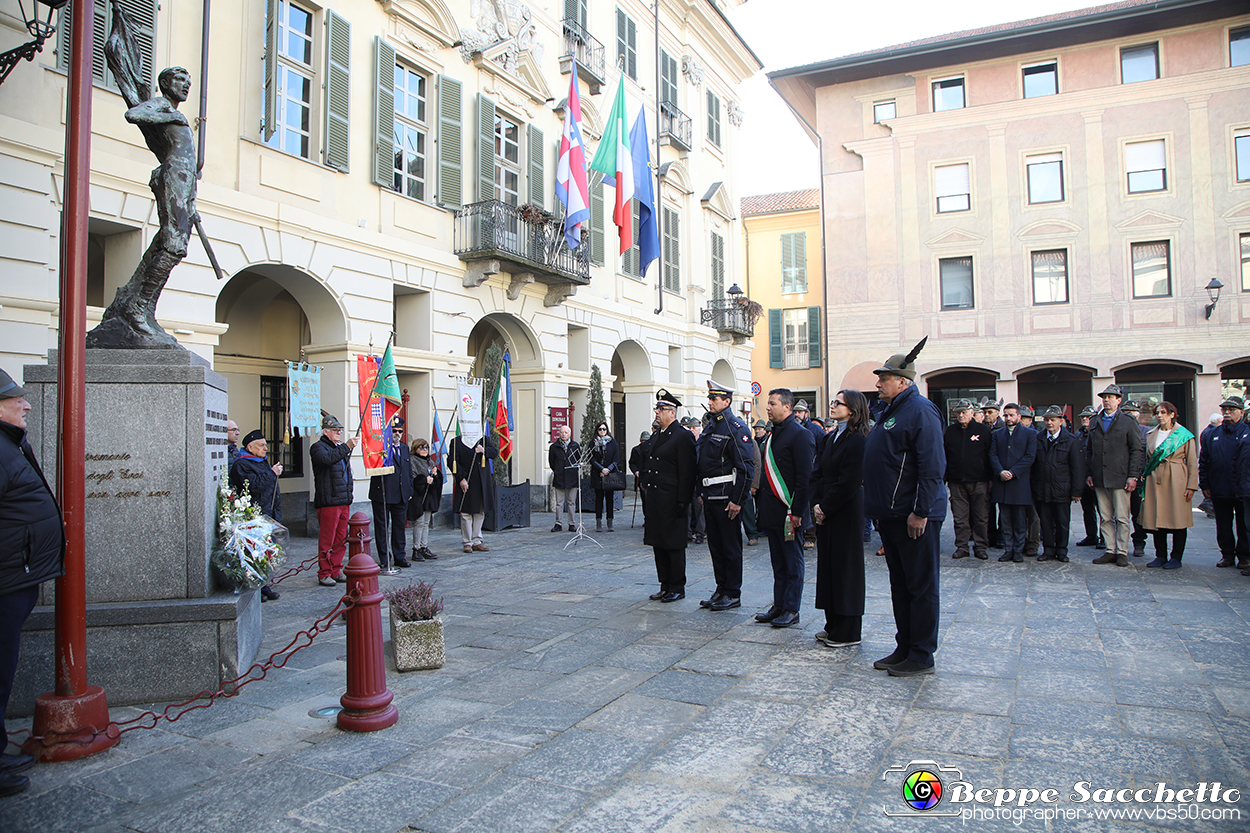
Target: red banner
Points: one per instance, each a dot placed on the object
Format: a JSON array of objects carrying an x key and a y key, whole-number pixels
[
  {"x": 560, "y": 417},
  {"x": 377, "y": 413}
]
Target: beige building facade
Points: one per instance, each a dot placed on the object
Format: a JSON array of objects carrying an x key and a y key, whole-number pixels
[
  {"x": 785, "y": 277},
  {"x": 1047, "y": 201},
  {"x": 383, "y": 166}
]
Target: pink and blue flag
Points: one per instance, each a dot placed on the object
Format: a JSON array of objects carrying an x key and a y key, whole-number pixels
[{"x": 572, "y": 184}]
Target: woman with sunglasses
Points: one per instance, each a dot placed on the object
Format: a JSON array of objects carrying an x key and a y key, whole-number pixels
[
  {"x": 427, "y": 493},
  {"x": 605, "y": 457},
  {"x": 837, "y": 500}
]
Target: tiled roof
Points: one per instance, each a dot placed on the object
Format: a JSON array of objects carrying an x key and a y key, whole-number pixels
[{"x": 783, "y": 201}]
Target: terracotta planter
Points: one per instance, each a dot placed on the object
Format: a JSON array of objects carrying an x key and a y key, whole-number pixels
[{"x": 418, "y": 645}]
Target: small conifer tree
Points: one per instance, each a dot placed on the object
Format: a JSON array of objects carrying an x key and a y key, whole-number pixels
[{"x": 595, "y": 414}]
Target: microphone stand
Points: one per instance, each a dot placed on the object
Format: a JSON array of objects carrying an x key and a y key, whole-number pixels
[{"x": 581, "y": 528}]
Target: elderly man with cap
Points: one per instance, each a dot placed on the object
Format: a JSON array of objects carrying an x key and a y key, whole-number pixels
[
  {"x": 1217, "y": 478},
  {"x": 563, "y": 457},
  {"x": 749, "y": 523},
  {"x": 1089, "y": 503},
  {"x": 967, "y": 447},
  {"x": 1058, "y": 480},
  {"x": 1138, "y": 535},
  {"x": 788, "y": 456},
  {"x": 669, "y": 480},
  {"x": 332, "y": 497},
  {"x": 389, "y": 494},
  {"x": 726, "y": 465},
  {"x": 904, "y": 461},
  {"x": 251, "y": 472},
  {"x": 804, "y": 418},
  {"x": 1114, "y": 458},
  {"x": 32, "y": 551}
]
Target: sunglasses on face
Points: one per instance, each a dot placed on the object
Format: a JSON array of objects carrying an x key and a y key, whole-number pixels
[{"x": 837, "y": 403}]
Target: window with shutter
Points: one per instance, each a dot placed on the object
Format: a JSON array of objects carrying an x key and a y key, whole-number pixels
[
  {"x": 627, "y": 43},
  {"x": 290, "y": 74},
  {"x": 718, "y": 266},
  {"x": 794, "y": 262},
  {"x": 775, "y": 345},
  {"x": 485, "y": 189},
  {"x": 668, "y": 79},
  {"x": 1146, "y": 166},
  {"x": 142, "y": 17},
  {"x": 713, "y": 118},
  {"x": 672, "y": 250},
  {"x": 576, "y": 11},
  {"x": 534, "y": 140},
  {"x": 338, "y": 92},
  {"x": 795, "y": 340},
  {"x": 813, "y": 336},
  {"x": 630, "y": 259},
  {"x": 597, "y": 237},
  {"x": 450, "y": 147}
]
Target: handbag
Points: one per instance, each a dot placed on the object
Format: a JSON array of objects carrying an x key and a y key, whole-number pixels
[{"x": 613, "y": 481}]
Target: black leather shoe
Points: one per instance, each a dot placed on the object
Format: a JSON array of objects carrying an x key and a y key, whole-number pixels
[
  {"x": 1018, "y": 558},
  {"x": 725, "y": 603},
  {"x": 268, "y": 594},
  {"x": 716, "y": 597},
  {"x": 11, "y": 783},
  {"x": 960, "y": 554},
  {"x": 1006, "y": 557},
  {"x": 1062, "y": 559},
  {"x": 1087, "y": 541},
  {"x": 769, "y": 615},
  {"x": 16, "y": 763},
  {"x": 672, "y": 596},
  {"x": 557, "y": 528},
  {"x": 427, "y": 555},
  {"x": 786, "y": 619},
  {"x": 909, "y": 668},
  {"x": 889, "y": 662},
  {"x": 657, "y": 595},
  {"x": 982, "y": 555},
  {"x": 1045, "y": 557},
  {"x": 402, "y": 562}
]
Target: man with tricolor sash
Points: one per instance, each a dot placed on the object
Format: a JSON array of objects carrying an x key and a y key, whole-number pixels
[{"x": 787, "y": 458}]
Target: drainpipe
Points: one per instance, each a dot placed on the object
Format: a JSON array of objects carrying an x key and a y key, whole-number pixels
[{"x": 202, "y": 119}]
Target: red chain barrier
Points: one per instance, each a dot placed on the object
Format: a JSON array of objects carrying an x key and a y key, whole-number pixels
[{"x": 87, "y": 734}]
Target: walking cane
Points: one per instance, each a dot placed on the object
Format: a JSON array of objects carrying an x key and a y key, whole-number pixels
[{"x": 635, "y": 515}]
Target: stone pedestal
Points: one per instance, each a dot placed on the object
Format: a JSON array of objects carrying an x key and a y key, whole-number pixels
[{"x": 156, "y": 451}]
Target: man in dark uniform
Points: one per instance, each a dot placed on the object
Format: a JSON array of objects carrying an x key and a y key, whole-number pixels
[
  {"x": 669, "y": 482},
  {"x": 726, "y": 465},
  {"x": 1089, "y": 503},
  {"x": 638, "y": 465},
  {"x": 903, "y": 465},
  {"x": 389, "y": 494},
  {"x": 788, "y": 456}
]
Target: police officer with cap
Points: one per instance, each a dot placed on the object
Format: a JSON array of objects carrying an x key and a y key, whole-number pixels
[
  {"x": 726, "y": 466},
  {"x": 669, "y": 479}
]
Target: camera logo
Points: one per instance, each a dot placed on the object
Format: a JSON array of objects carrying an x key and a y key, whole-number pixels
[{"x": 921, "y": 788}]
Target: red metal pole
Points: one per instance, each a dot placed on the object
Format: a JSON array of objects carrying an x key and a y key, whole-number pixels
[
  {"x": 367, "y": 704},
  {"x": 69, "y": 718}
]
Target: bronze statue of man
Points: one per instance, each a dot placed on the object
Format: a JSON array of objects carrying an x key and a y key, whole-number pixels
[{"x": 130, "y": 321}]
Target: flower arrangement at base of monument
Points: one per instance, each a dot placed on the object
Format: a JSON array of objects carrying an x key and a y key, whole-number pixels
[{"x": 249, "y": 544}]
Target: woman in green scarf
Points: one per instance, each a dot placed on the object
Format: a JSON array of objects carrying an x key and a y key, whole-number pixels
[{"x": 1168, "y": 485}]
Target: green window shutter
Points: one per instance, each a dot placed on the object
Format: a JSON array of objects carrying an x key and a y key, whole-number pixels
[
  {"x": 450, "y": 185},
  {"x": 672, "y": 250},
  {"x": 713, "y": 118},
  {"x": 269, "y": 116},
  {"x": 629, "y": 260},
  {"x": 338, "y": 91},
  {"x": 485, "y": 148},
  {"x": 597, "y": 242},
  {"x": 774, "y": 338},
  {"x": 627, "y": 43},
  {"x": 799, "y": 260},
  {"x": 575, "y": 10},
  {"x": 813, "y": 336},
  {"x": 383, "y": 113},
  {"x": 668, "y": 78},
  {"x": 534, "y": 140},
  {"x": 142, "y": 17}
]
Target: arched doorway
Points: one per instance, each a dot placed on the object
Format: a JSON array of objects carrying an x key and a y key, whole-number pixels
[
  {"x": 633, "y": 395},
  {"x": 1149, "y": 382},
  {"x": 946, "y": 386},
  {"x": 272, "y": 313},
  {"x": 511, "y": 335},
  {"x": 1063, "y": 385}
]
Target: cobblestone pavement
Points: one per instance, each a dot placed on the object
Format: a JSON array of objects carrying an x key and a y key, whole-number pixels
[{"x": 571, "y": 702}]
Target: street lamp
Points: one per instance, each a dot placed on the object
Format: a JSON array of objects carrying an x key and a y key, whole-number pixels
[
  {"x": 1213, "y": 292},
  {"x": 41, "y": 30}
]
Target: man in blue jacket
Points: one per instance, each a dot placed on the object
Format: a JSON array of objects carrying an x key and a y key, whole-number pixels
[
  {"x": 1013, "y": 448},
  {"x": 1217, "y": 478},
  {"x": 389, "y": 494},
  {"x": 32, "y": 550},
  {"x": 904, "y": 460}
]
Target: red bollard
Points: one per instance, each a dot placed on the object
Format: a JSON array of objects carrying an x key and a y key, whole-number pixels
[{"x": 367, "y": 703}]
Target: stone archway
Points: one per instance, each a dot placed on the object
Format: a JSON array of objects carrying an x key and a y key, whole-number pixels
[
  {"x": 527, "y": 367},
  {"x": 1149, "y": 381},
  {"x": 633, "y": 393},
  {"x": 1066, "y": 385},
  {"x": 946, "y": 385}
]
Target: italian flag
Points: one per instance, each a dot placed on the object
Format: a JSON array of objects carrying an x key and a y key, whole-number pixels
[
  {"x": 501, "y": 414},
  {"x": 616, "y": 162}
]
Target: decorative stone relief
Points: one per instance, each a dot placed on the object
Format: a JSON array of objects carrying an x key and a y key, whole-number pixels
[
  {"x": 505, "y": 28},
  {"x": 736, "y": 113},
  {"x": 692, "y": 69}
]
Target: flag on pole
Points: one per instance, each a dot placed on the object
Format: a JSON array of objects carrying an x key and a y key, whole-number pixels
[
  {"x": 648, "y": 228},
  {"x": 388, "y": 379},
  {"x": 614, "y": 160},
  {"x": 438, "y": 449},
  {"x": 502, "y": 428},
  {"x": 572, "y": 184}
]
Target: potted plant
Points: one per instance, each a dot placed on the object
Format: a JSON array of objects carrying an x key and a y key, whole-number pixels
[{"x": 416, "y": 627}]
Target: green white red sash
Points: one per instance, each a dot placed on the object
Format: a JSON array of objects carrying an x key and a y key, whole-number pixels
[{"x": 773, "y": 475}]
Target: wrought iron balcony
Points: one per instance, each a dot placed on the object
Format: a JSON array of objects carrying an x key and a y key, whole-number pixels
[
  {"x": 675, "y": 127},
  {"x": 734, "y": 315},
  {"x": 580, "y": 44},
  {"x": 524, "y": 241}
]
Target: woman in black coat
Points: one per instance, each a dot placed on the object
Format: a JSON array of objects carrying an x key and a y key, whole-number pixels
[
  {"x": 837, "y": 501},
  {"x": 605, "y": 457},
  {"x": 427, "y": 494}
]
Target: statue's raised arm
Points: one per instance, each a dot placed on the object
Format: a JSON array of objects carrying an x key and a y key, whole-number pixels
[{"x": 121, "y": 50}]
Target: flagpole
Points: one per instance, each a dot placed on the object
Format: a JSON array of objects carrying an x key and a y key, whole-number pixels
[
  {"x": 659, "y": 272},
  {"x": 361, "y": 424}
]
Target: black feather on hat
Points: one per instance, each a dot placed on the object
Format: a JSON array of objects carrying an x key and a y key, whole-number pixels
[{"x": 900, "y": 365}]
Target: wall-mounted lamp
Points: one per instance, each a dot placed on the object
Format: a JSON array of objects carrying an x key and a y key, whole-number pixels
[{"x": 1213, "y": 292}]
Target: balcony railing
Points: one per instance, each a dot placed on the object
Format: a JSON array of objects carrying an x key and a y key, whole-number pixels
[
  {"x": 675, "y": 126},
  {"x": 735, "y": 316},
  {"x": 580, "y": 44},
  {"x": 530, "y": 240}
]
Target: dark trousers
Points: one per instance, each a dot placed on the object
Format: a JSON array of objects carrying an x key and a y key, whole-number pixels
[
  {"x": 1230, "y": 528},
  {"x": 748, "y": 518},
  {"x": 787, "y": 559},
  {"x": 1134, "y": 510},
  {"x": 843, "y": 628},
  {"x": 968, "y": 510},
  {"x": 1015, "y": 520},
  {"x": 698, "y": 524},
  {"x": 1056, "y": 520},
  {"x": 1179, "y": 537},
  {"x": 670, "y": 568},
  {"x": 604, "y": 497},
  {"x": 1089, "y": 513},
  {"x": 397, "y": 515},
  {"x": 913, "y": 565},
  {"x": 15, "y": 607},
  {"x": 1033, "y": 538},
  {"x": 724, "y": 542}
]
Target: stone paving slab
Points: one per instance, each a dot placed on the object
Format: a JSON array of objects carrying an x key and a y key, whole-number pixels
[{"x": 571, "y": 703}]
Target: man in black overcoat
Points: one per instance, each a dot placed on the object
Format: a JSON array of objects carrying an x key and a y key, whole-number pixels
[
  {"x": 1058, "y": 479},
  {"x": 471, "y": 475},
  {"x": 389, "y": 494},
  {"x": 788, "y": 455},
  {"x": 669, "y": 483}
]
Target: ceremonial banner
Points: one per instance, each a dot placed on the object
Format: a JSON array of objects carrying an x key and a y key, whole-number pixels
[
  {"x": 503, "y": 411},
  {"x": 304, "y": 384},
  {"x": 376, "y": 415},
  {"x": 469, "y": 411}
]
